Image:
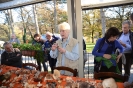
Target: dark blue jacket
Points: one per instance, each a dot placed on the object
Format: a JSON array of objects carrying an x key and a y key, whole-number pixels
[
  {"x": 105, "y": 49},
  {"x": 48, "y": 44}
]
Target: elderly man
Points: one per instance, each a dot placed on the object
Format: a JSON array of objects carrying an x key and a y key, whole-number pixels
[
  {"x": 51, "y": 39},
  {"x": 126, "y": 40},
  {"x": 14, "y": 39},
  {"x": 66, "y": 50},
  {"x": 11, "y": 56}
]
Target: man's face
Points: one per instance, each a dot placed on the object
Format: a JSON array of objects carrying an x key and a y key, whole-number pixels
[
  {"x": 13, "y": 36},
  {"x": 125, "y": 28},
  {"x": 9, "y": 48},
  {"x": 48, "y": 37},
  {"x": 64, "y": 33},
  {"x": 37, "y": 38}
]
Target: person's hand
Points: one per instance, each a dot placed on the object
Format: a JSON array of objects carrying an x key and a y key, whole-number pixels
[
  {"x": 54, "y": 46},
  {"x": 107, "y": 56},
  {"x": 123, "y": 44},
  {"x": 18, "y": 54},
  {"x": 16, "y": 49},
  {"x": 117, "y": 60},
  {"x": 118, "y": 57},
  {"x": 61, "y": 50}
]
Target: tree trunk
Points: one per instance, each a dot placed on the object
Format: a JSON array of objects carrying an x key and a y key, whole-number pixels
[
  {"x": 103, "y": 21},
  {"x": 92, "y": 36},
  {"x": 24, "y": 26},
  {"x": 55, "y": 17},
  {"x": 35, "y": 18},
  {"x": 9, "y": 20}
]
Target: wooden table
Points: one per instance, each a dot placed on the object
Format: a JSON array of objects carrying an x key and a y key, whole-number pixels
[{"x": 18, "y": 84}]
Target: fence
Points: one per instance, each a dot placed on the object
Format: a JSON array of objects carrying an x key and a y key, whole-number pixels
[{"x": 89, "y": 66}]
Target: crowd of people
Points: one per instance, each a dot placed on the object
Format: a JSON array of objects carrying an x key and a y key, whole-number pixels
[{"x": 64, "y": 51}]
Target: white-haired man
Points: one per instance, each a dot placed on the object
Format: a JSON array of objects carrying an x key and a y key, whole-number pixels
[
  {"x": 51, "y": 39},
  {"x": 66, "y": 49},
  {"x": 126, "y": 40}
]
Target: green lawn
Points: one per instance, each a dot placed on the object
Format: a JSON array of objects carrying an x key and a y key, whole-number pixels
[{"x": 89, "y": 47}]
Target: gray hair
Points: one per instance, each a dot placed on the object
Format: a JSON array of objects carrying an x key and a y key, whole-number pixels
[
  {"x": 49, "y": 33},
  {"x": 7, "y": 43},
  {"x": 127, "y": 22},
  {"x": 64, "y": 26}
]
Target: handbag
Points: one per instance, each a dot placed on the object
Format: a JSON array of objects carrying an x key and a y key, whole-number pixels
[{"x": 97, "y": 66}]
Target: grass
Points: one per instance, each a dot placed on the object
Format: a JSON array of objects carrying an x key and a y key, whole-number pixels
[{"x": 89, "y": 47}]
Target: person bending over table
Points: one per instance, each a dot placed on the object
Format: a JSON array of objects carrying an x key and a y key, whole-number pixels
[
  {"x": 11, "y": 56},
  {"x": 40, "y": 41},
  {"x": 104, "y": 51},
  {"x": 66, "y": 49}
]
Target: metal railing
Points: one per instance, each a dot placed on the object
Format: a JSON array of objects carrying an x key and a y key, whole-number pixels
[{"x": 89, "y": 66}]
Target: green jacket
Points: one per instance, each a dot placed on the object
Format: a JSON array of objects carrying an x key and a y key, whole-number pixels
[{"x": 108, "y": 63}]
